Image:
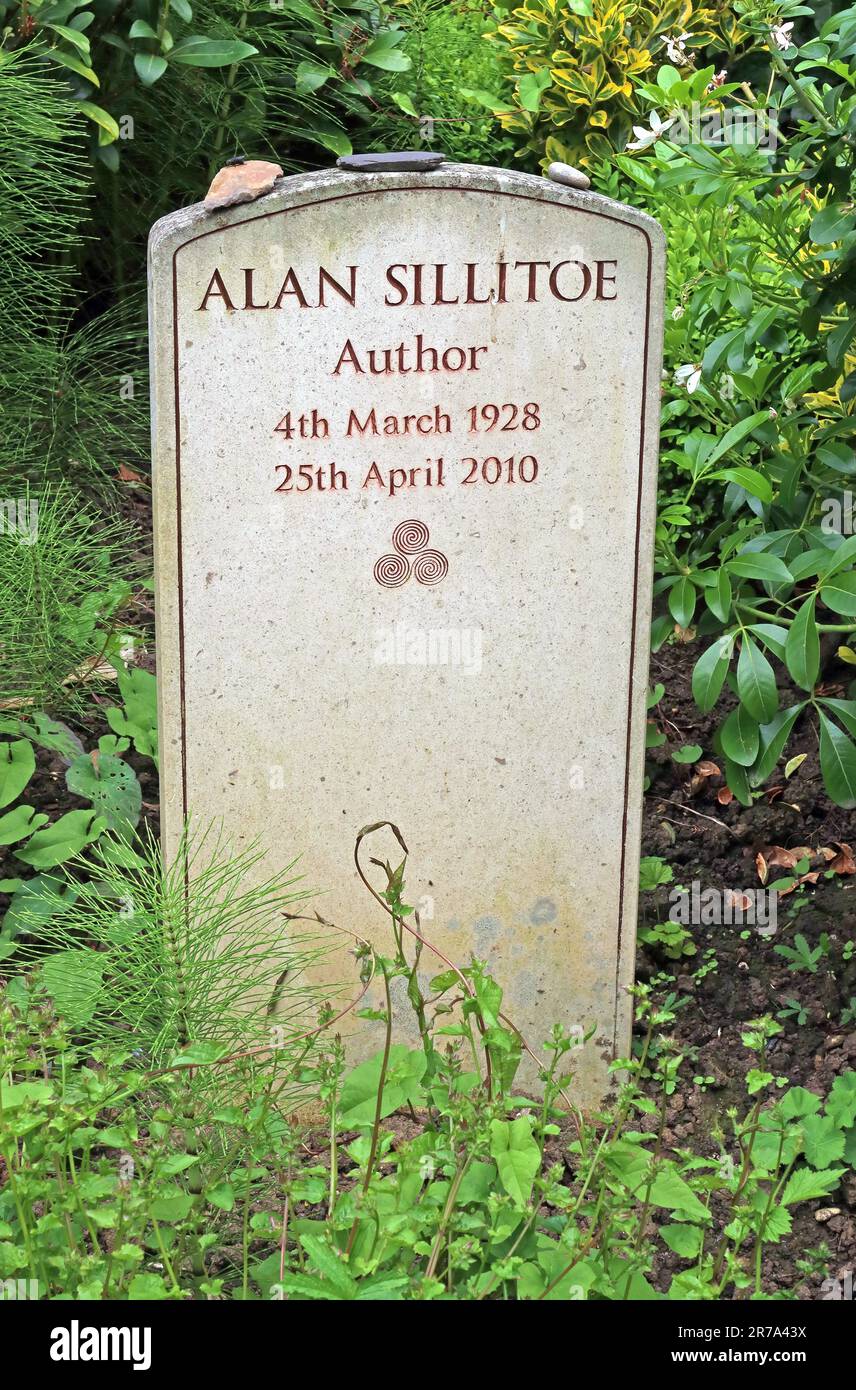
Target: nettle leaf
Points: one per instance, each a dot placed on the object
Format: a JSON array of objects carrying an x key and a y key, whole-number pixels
[
  {"x": 805, "y": 1184},
  {"x": 802, "y": 648},
  {"x": 111, "y": 785},
  {"x": 402, "y": 1084},
  {"x": 66, "y": 837},
  {"x": 18, "y": 824},
  {"x": 517, "y": 1156},
  {"x": 756, "y": 682},
  {"x": 17, "y": 765},
  {"x": 837, "y": 763}
]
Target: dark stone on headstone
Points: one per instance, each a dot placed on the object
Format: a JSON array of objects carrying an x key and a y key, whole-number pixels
[{"x": 392, "y": 162}]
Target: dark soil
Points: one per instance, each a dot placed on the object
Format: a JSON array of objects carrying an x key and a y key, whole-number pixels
[{"x": 716, "y": 845}]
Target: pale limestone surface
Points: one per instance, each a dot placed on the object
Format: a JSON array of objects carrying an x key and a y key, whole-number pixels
[{"x": 293, "y": 704}]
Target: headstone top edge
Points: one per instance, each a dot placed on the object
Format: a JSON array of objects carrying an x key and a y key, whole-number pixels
[{"x": 179, "y": 226}]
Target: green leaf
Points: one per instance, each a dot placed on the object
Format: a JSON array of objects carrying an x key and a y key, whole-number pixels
[
  {"x": 532, "y": 86},
  {"x": 672, "y": 1191},
  {"x": 690, "y": 753},
  {"x": 804, "y": 1185},
  {"x": 837, "y": 763},
  {"x": 19, "y": 823},
  {"x": 824, "y": 1141},
  {"x": 359, "y": 1089},
  {"x": 101, "y": 118},
  {"x": 831, "y": 224},
  {"x": 66, "y": 837},
  {"x": 839, "y": 594},
  {"x": 753, "y": 482},
  {"x": 111, "y": 785},
  {"x": 149, "y": 67},
  {"x": 211, "y": 53},
  {"x": 69, "y": 60},
  {"x": 517, "y": 1156},
  {"x": 739, "y": 737},
  {"x": 772, "y": 739},
  {"x": 74, "y": 981},
  {"x": 841, "y": 1101},
  {"x": 173, "y": 1206},
  {"x": 718, "y": 596},
  {"x": 17, "y": 765},
  {"x": 330, "y": 1265},
  {"x": 802, "y": 648},
  {"x": 759, "y": 564},
  {"x": 684, "y": 1240},
  {"x": 222, "y": 1196},
  {"x": 140, "y": 29},
  {"x": 682, "y": 601},
  {"x": 310, "y": 77},
  {"x": 735, "y": 436},
  {"x": 710, "y": 671},
  {"x": 338, "y": 144},
  {"x": 756, "y": 682}
]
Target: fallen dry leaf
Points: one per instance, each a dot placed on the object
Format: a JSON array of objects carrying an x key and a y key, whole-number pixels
[
  {"x": 843, "y": 863},
  {"x": 725, "y": 796},
  {"x": 127, "y": 475},
  {"x": 241, "y": 183}
]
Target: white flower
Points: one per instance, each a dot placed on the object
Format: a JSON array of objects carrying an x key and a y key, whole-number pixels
[
  {"x": 781, "y": 36},
  {"x": 678, "y": 311},
  {"x": 676, "y": 48},
  {"x": 689, "y": 375},
  {"x": 644, "y": 137}
]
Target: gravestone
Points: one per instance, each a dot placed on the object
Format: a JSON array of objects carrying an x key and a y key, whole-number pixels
[{"x": 405, "y": 437}]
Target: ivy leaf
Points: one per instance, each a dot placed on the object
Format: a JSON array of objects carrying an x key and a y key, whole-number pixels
[{"x": 112, "y": 787}]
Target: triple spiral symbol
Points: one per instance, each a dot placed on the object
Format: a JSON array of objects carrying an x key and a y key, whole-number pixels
[{"x": 410, "y": 538}]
